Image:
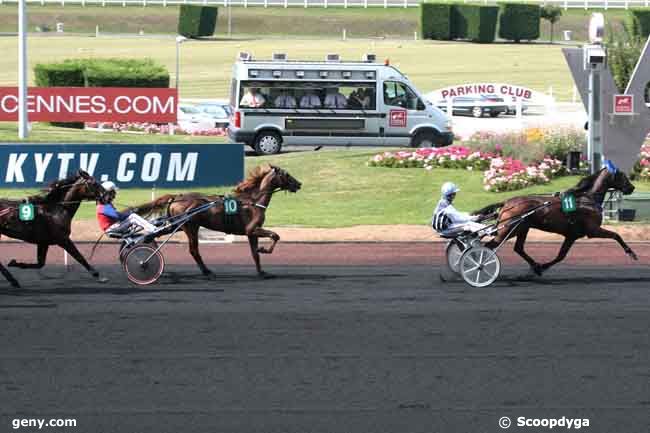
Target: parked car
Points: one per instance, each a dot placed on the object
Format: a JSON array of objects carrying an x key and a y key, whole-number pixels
[
  {"x": 477, "y": 106},
  {"x": 218, "y": 111},
  {"x": 192, "y": 119}
]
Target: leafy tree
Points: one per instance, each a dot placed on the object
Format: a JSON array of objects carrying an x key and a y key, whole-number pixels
[
  {"x": 551, "y": 14},
  {"x": 623, "y": 52}
]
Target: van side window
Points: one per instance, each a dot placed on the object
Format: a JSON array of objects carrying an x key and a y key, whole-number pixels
[
  {"x": 306, "y": 95},
  {"x": 400, "y": 95}
]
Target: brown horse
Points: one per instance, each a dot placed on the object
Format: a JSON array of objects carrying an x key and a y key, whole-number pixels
[
  {"x": 585, "y": 221},
  {"x": 53, "y": 213},
  {"x": 253, "y": 195}
]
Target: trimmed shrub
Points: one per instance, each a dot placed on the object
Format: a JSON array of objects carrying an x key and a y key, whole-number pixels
[
  {"x": 640, "y": 20},
  {"x": 477, "y": 23},
  {"x": 126, "y": 73},
  {"x": 519, "y": 21},
  {"x": 196, "y": 21},
  {"x": 435, "y": 21},
  {"x": 69, "y": 73}
]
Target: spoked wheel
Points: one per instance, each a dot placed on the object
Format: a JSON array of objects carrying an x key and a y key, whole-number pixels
[
  {"x": 143, "y": 265},
  {"x": 125, "y": 248},
  {"x": 454, "y": 253},
  {"x": 479, "y": 266}
]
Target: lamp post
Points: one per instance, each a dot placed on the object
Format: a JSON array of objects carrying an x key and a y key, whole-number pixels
[
  {"x": 22, "y": 70},
  {"x": 179, "y": 40},
  {"x": 595, "y": 62}
]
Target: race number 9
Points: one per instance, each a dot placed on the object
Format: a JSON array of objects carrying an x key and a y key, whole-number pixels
[
  {"x": 26, "y": 212},
  {"x": 230, "y": 206}
]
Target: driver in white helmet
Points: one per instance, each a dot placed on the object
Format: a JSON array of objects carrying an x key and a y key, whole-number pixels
[
  {"x": 447, "y": 218},
  {"x": 110, "y": 219}
]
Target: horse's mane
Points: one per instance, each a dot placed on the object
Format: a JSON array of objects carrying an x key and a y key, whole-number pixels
[
  {"x": 254, "y": 178},
  {"x": 55, "y": 190},
  {"x": 585, "y": 183}
]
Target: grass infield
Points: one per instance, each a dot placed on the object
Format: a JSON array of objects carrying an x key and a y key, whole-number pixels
[{"x": 339, "y": 190}]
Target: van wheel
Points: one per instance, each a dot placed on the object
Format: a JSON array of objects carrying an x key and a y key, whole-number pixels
[
  {"x": 477, "y": 112},
  {"x": 494, "y": 114},
  {"x": 423, "y": 139},
  {"x": 268, "y": 143}
]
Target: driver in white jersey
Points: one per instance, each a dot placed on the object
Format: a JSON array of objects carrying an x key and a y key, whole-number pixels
[{"x": 446, "y": 217}]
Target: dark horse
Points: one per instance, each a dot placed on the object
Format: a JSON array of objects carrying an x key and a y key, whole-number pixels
[
  {"x": 253, "y": 194},
  {"x": 53, "y": 213},
  {"x": 585, "y": 221}
]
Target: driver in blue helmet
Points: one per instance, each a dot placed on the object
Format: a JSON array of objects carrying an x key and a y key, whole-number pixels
[{"x": 446, "y": 217}]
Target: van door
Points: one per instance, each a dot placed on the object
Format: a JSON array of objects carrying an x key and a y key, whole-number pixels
[{"x": 404, "y": 111}]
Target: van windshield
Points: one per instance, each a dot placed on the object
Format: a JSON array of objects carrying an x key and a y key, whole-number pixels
[{"x": 331, "y": 95}]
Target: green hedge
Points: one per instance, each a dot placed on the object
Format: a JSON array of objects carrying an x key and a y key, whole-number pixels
[
  {"x": 640, "y": 19},
  {"x": 519, "y": 21},
  {"x": 196, "y": 21},
  {"x": 126, "y": 73},
  {"x": 100, "y": 73},
  {"x": 477, "y": 23},
  {"x": 435, "y": 21}
]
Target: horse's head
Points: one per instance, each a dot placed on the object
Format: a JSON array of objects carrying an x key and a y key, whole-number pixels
[
  {"x": 278, "y": 178},
  {"x": 616, "y": 179},
  {"x": 84, "y": 187}
]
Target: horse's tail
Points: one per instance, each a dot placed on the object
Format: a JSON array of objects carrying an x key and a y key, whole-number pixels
[
  {"x": 160, "y": 204},
  {"x": 489, "y": 209}
]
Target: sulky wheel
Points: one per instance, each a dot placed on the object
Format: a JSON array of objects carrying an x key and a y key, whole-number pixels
[
  {"x": 454, "y": 253},
  {"x": 479, "y": 266},
  {"x": 143, "y": 265},
  {"x": 125, "y": 248}
]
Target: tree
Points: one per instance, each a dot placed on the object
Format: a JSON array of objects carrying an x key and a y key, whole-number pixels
[
  {"x": 623, "y": 52},
  {"x": 551, "y": 14}
]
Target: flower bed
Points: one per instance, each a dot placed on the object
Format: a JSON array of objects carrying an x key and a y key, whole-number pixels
[
  {"x": 641, "y": 169},
  {"x": 154, "y": 128},
  {"x": 500, "y": 173},
  {"x": 450, "y": 157}
]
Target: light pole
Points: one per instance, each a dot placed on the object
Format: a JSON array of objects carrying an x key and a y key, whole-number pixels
[
  {"x": 595, "y": 61},
  {"x": 179, "y": 40},
  {"x": 22, "y": 70}
]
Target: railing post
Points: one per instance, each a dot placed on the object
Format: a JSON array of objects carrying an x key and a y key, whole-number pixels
[
  {"x": 266, "y": 3},
  {"x": 245, "y": 3},
  {"x": 286, "y": 4},
  {"x": 566, "y": 5},
  {"x": 586, "y": 4},
  {"x": 365, "y": 4},
  {"x": 385, "y": 4},
  {"x": 325, "y": 4},
  {"x": 626, "y": 4},
  {"x": 306, "y": 5},
  {"x": 406, "y": 3}
]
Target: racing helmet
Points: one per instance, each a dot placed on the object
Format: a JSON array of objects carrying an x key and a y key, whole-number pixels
[
  {"x": 449, "y": 188},
  {"x": 109, "y": 186}
]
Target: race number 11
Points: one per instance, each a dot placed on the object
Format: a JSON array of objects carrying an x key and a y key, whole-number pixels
[
  {"x": 26, "y": 212},
  {"x": 568, "y": 203}
]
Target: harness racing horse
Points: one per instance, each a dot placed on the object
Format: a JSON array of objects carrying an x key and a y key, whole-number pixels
[
  {"x": 53, "y": 213},
  {"x": 585, "y": 221},
  {"x": 253, "y": 195}
]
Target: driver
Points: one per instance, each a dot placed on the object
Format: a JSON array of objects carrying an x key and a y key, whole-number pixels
[
  {"x": 446, "y": 217},
  {"x": 110, "y": 220}
]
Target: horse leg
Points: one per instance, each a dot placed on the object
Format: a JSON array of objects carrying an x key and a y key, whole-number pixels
[
  {"x": 71, "y": 249},
  {"x": 519, "y": 249},
  {"x": 41, "y": 254},
  {"x": 192, "y": 233},
  {"x": 600, "y": 232},
  {"x": 262, "y": 233},
  {"x": 564, "y": 250},
  {"x": 253, "y": 243},
  {"x": 5, "y": 272}
]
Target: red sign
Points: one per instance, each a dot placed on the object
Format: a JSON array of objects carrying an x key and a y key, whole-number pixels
[
  {"x": 623, "y": 104},
  {"x": 92, "y": 104},
  {"x": 397, "y": 118}
]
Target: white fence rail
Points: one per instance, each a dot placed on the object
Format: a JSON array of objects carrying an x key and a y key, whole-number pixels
[{"x": 566, "y": 4}]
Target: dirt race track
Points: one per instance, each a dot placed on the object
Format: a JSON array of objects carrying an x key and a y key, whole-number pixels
[{"x": 345, "y": 338}]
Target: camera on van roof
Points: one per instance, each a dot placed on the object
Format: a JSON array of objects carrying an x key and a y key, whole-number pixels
[
  {"x": 280, "y": 57},
  {"x": 369, "y": 58},
  {"x": 244, "y": 56},
  {"x": 333, "y": 58}
]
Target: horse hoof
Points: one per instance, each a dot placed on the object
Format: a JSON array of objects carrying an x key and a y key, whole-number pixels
[
  {"x": 633, "y": 255},
  {"x": 263, "y": 250},
  {"x": 13, "y": 263},
  {"x": 266, "y": 275},
  {"x": 210, "y": 276},
  {"x": 537, "y": 270},
  {"x": 102, "y": 279},
  {"x": 15, "y": 284}
]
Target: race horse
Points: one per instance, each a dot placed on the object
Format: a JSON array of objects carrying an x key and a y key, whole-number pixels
[
  {"x": 253, "y": 196},
  {"x": 585, "y": 221},
  {"x": 52, "y": 216}
]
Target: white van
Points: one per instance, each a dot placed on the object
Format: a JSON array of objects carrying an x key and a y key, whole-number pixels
[{"x": 279, "y": 101}]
